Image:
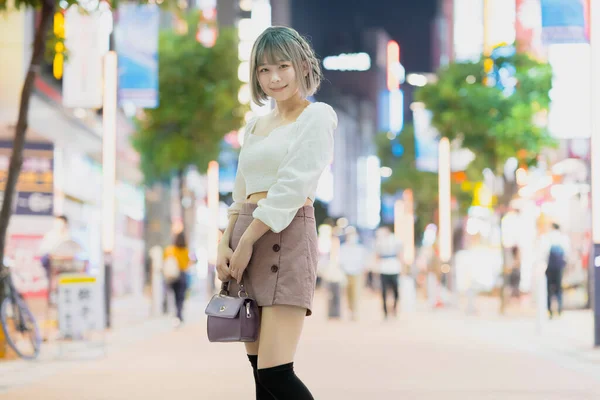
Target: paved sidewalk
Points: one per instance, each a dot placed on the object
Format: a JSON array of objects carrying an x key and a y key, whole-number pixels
[
  {"x": 440, "y": 354},
  {"x": 132, "y": 323},
  {"x": 568, "y": 339}
]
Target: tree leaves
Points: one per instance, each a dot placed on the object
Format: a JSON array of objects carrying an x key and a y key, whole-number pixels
[
  {"x": 406, "y": 176},
  {"x": 493, "y": 125},
  {"x": 198, "y": 88}
]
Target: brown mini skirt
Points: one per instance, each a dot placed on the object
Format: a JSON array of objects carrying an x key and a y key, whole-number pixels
[{"x": 283, "y": 267}]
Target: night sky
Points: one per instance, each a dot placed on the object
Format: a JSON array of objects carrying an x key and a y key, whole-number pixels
[{"x": 333, "y": 23}]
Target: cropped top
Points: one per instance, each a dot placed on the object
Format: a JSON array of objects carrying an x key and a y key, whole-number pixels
[{"x": 287, "y": 164}]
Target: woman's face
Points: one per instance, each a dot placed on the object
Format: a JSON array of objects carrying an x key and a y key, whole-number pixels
[{"x": 278, "y": 81}]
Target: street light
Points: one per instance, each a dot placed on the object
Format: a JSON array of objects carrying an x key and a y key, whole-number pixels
[
  {"x": 444, "y": 201},
  {"x": 409, "y": 228},
  {"x": 109, "y": 154}
]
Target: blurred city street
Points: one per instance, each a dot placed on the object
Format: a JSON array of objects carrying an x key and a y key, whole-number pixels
[
  {"x": 441, "y": 152},
  {"x": 428, "y": 354}
]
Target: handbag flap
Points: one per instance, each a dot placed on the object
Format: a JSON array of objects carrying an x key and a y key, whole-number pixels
[{"x": 224, "y": 306}]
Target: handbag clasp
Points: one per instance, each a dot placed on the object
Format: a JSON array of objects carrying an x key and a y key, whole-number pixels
[{"x": 242, "y": 290}]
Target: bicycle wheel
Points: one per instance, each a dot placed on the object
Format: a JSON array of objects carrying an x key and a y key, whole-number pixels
[{"x": 20, "y": 328}]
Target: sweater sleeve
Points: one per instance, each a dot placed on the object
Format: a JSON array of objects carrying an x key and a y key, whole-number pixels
[
  {"x": 299, "y": 172},
  {"x": 239, "y": 186},
  {"x": 239, "y": 194}
]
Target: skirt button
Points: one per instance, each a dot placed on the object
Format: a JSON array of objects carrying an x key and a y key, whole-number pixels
[{"x": 274, "y": 268}]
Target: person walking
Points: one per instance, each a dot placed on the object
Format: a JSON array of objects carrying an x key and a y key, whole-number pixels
[
  {"x": 271, "y": 239},
  {"x": 514, "y": 277},
  {"x": 388, "y": 257},
  {"x": 59, "y": 234},
  {"x": 556, "y": 248},
  {"x": 335, "y": 279},
  {"x": 353, "y": 261},
  {"x": 178, "y": 253}
]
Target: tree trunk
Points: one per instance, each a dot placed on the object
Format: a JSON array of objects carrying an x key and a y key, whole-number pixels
[
  {"x": 16, "y": 158},
  {"x": 180, "y": 178}
]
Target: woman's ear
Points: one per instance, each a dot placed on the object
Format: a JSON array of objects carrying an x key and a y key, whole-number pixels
[{"x": 305, "y": 69}]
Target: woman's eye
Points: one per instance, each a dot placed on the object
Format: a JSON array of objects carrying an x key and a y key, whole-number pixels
[
  {"x": 263, "y": 70},
  {"x": 284, "y": 66}
]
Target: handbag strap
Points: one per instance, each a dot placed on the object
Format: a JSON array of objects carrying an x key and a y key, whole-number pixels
[{"x": 225, "y": 289}]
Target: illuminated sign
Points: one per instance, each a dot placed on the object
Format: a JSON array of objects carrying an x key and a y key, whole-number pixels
[
  {"x": 369, "y": 192},
  {"x": 35, "y": 184},
  {"x": 395, "y": 76},
  {"x": 468, "y": 30},
  {"x": 348, "y": 62},
  {"x": 393, "y": 61},
  {"x": 396, "y": 110}
]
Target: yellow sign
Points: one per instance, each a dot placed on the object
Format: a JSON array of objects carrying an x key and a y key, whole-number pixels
[{"x": 76, "y": 279}]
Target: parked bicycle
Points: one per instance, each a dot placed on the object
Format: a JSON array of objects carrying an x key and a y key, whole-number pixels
[{"x": 18, "y": 323}]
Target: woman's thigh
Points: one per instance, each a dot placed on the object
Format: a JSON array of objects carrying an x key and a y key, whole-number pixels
[
  {"x": 280, "y": 331},
  {"x": 252, "y": 347}
]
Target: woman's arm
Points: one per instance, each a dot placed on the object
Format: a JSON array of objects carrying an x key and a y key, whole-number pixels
[
  {"x": 255, "y": 231},
  {"x": 225, "y": 239}
]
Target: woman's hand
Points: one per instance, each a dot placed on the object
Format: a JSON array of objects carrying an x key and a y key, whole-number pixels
[
  {"x": 224, "y": 254},
  {"x": 240, "y": 259}
]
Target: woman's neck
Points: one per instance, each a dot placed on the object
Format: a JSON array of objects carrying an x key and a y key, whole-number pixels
[{"x": 288, "y": 109}]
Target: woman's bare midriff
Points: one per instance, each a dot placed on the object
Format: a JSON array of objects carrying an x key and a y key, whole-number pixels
[{"x": 255, "y": 197}]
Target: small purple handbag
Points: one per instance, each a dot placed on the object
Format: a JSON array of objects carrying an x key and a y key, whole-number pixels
[{"x": 232, "y": 319}]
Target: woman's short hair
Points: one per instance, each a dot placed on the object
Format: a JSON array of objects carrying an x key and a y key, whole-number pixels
[
  {"x": 180, "y": 240},
  {"x": 280, "y": 43}
]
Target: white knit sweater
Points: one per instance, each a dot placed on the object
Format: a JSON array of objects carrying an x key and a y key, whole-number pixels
[{"x": 287, "y": 164}]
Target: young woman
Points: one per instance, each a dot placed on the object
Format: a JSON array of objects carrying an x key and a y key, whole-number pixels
[
  {"x": 271, "y": 240},
  {"x": 181, "y": 253}
]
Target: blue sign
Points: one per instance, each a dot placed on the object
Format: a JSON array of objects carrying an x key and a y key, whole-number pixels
[
  {"x": 137, "y": 49},
  {"x": 391, "y": 111},
  {"x": 387, "y": 208},
  {"x": 396, "y": 110},
  {"x": 426, "y": 141},
  {"x": 384, "y": 111},
  {"x": 564, "y": 21}
]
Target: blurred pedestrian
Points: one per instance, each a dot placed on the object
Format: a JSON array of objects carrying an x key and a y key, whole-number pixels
[
  {"x": 514, "y": 277},
  {"x": 178, "y": 254},
  {"x": 271, "y": 241},
  {"x": 353, "y": 260},
  {"x": 372, "y": 270},
  {"x": 556, "y": 249},
  {"x": 388, "y": 257},
  {"x": 58, "y": 234},
  {"x": 335, "y": 279}
]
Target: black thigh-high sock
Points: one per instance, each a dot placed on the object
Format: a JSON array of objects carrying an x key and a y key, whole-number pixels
[
  {"x": 283, "y": 384},
  {"x": 261, "y": 392}
]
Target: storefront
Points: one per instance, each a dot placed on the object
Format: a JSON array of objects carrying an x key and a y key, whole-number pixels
[
  {"x": 128, "y": 267},
  {"x": 560, "y": 195}
]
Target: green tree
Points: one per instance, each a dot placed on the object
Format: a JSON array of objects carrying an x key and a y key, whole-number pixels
[
  {"x": 494, "y": 122},
  {"x": 405, "y": 175},
  {"x": 496, "y": 108},
  {"x": 198, "y": 89}
]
